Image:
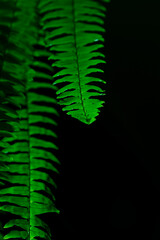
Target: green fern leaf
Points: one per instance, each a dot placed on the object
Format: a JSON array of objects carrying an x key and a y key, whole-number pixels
[
  {"x": 26, "y": 155},
  {"x": 73, "y": 29},
  {"x": 26, "y": 159}
]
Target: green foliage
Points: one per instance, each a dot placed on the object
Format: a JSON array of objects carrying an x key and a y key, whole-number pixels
[
  {"x": 73, "y": 34},
  {"x": 26, "y": 159},
  {"x": 31, "y": 36}
]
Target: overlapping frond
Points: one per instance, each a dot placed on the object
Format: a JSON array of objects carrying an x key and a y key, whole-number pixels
[
  {"x": 27, "y": 156},
  {"x": 28, "y": 116},
  {"x": 73, "y": 34},
  {"x": 29, "y": 161}
]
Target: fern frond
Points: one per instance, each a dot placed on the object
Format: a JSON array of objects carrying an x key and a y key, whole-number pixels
[
  {"x": 27, "y": 157},
  {"x": 73, "y": 29}
]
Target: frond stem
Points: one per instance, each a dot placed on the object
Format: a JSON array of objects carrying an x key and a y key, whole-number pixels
[
  {"x": 75, "y": 44},
  {"x": 29, "y": 165}
]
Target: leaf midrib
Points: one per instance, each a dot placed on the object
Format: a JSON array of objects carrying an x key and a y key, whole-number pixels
[
  {"x": 29, "y": 159},
  {"x": 75, "y": 44}
]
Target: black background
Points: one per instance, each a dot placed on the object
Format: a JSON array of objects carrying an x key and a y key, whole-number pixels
[{"x": 109, "y": 181}]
